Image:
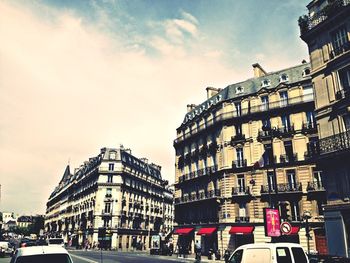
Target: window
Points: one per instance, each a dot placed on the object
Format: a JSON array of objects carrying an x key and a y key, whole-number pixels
[
  {"x": 344, "y": 78},
  {"x": 242, "y": 210},
  {"x": 111, "y": 167},
  {"x": 109, "y": 178},
  {"x": 346, "y": 120},
  {"x": 241, "y": 183},
  {"x": 112, "y": 155},
  {"x": 310, "y": 117},
  {"x": 238, "y": 108},
  {"x": 294, "y": 209},
  {"x": 339, "y": 40},
  {"x": 285, "y": 122},
  {"x": 239, "y": 152},
  {"x": 291, "y": 179},
  {"x": 299, "y": 255},
  {"x": 54, "y": 258},
  {"x": 109, "y": 192},
  {"x": 239, "y": 90},
  {"x": 306, "y": 72},
  {"x": 107, "y": 207},
  {"x": 268, "y": 155},
  {"x": 317, "y": 179},
  {"x": 264, "y": 103},
  {"x": 266, "y": 124},
  {"x": 283, "y": 255},
  {"x": 283, "y": 98},
  {"x": 265, "y": 83},
  {"x": 237, "y": 257},
  {"x": 238, "y": 128},
  {"x": 283, "y": 78},
  {"x": 288, "y": 147},
  {"x": 271, "y": 181}
]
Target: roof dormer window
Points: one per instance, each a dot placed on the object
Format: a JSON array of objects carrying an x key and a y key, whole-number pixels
[
  {"x": 283, "y": 78},
  {"x": 265, "y": 83},
  {"x": 306, "y": 72},
  {"x": 239, "y": 89}
]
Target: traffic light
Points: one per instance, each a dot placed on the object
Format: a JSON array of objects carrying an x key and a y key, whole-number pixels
[{"x": 284, "y": 211}]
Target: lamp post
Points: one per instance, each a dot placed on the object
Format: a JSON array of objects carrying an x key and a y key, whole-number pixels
[{"x": 306, "y": 217}]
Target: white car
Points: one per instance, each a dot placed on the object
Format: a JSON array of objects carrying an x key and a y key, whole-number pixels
[
  {"x": 269, "y": 253},
  {"x": 55, "y": 242},
  {"x": 5, "y": 248},
  {"x": 41, "y": 254}
]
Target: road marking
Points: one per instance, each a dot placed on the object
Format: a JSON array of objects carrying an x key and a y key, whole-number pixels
[{"x": 85, "y": 259}]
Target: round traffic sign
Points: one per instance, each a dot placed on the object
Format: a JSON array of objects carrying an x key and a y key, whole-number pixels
[{"x": 286, "y": 228}]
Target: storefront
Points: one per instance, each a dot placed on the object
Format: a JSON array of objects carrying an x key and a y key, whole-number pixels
[
  {"x": 241, "y": 235},
  {"x": 209, "y": 239},
  {"x": 185, "y": 240}
]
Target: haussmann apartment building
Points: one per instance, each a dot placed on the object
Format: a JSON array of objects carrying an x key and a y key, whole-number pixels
[
  {"x": 326, "y": 30},
  {"x": 116, "y": 191},
  {"x": 248, "y": 146}
]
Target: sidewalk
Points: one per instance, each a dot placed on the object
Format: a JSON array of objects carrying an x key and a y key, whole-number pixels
[{"x": 192, "y": 258}]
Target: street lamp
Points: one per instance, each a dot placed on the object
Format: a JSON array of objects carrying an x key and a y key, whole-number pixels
[{"x": 306, "y": 217}]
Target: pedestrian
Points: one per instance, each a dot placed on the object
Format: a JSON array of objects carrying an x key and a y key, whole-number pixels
[
  {"x": 227, "y": 255},
  {"x": 198, "y": 251}
]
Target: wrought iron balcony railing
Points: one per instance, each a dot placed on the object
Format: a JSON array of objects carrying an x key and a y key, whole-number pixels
[
  {"x": 315, "y": 186},
  {"x": 198, "y": 173},
  {"x": 241, "y": 190},
  {"x": 239, "y": 163},
  {"x": 242, "y": 219},
  {"x": 340, "y": 50},
  {"x": 343, "y": 93},
  {"x": 335, "y": 143},
  {"x": 245, "y": 111},
  {"x": 288, "y": 158},
  {"x": 307, "y": 22},
  {"x": 198, "y": 196},
  {"x": 309, "y": 127},
  {"x": 282, "y": 188}
]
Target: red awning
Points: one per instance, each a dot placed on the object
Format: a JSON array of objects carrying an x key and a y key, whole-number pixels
[
  {"x": 295, "y": 230},
  {"x": 243, "y": 230},
  {"x": 206, "y": 230},
  {"x": 183, "y": 231}
]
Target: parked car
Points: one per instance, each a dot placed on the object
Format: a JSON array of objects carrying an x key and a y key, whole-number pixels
[
  {"x": 269, "y": 253},
  {"x": 55, "y": 242},
  {"x": 327, "y": 259},
  {"x": 25, "y": 242},
  {"x": 6, "y": 249},
  {"x": 41, "y": 254}
]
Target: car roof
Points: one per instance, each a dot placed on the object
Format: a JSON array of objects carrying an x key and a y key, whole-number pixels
[
  {"x": 37, "y": 250},
  {"x": 269, "y": 245}
]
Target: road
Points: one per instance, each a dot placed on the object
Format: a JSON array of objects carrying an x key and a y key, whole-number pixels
[{"x": 115, "y": 257}]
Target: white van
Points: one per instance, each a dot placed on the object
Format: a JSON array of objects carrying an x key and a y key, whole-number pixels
[
  {"x": 41, "y": 254},
  {"x": 55, "y": 242},
  {"x": 269, "y": 253}
]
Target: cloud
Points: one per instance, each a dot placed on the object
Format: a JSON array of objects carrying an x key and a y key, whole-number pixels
[{"x": 68, "y": 89}]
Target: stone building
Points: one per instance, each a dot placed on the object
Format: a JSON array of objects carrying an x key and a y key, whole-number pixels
[
  {"x": 326, "y": 31},
  {"x": 248, "y": 146},
  {"x": 116, "y": 191}
]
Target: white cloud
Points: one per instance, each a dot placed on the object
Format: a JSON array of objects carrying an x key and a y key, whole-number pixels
[{"x": 67, "y": 90}]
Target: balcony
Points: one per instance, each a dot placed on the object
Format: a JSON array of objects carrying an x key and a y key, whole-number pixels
[
  {"x": 199, "y": 173},
  {"x": 286, "y": 131},
  {"x": 242, "y": 219},
  {"x": 309, "y": 128},
  {"x": 198, "y": 196},
  {"x": 277, "y": 105},
  {"x": 306, "y": 23},
  {"x": 288, "y": 158},
  {"x": 239, "y": 163},
  {"x": 240, "y": 193},
  {"x": 282, "y": 188},
  {"x": 106, "y": 213},
  {"x": 265, "y": 135},
  {"x": 336, "y": 143},
  {"x": 315, "y": 186}
]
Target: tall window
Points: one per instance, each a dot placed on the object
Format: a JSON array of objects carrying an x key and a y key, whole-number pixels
[
  {"x": 238, "y": 108},
  {"x": 266, "y": 124},
  {"x": 264, "y": 103},
  {"x": 241, "y": 183},
  {"x": 242, "y": 212},
  {"x": 283, "y": 98},
  {"x": 107, "y": 207},
  {"x": 344, "y": 78},
  {"x": 339, "y": 39},
  {"x": 317, "y": 179},
  {"x": 111, "y": 167},
  {"x": 310, "y": 117},
  {"x": 109, "y": 178},
  {"x": 291, "y": 178},
  {"x": 288, "y": 147},
  {"x": 268, "y": 154},
  {"x": 271, "y": 180},
  {"x": 295, "y": 211},
  {"x": 285, "y": 122},
  {"x": 239, "y": 152},
  {"x": 346, "y": 119}
]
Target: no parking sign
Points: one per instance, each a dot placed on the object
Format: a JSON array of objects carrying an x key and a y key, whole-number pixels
[{"x": 286, "y": 228}]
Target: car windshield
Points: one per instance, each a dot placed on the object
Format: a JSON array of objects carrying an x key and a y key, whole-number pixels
[
  {"x": 45, "y": 258},
  {"x": 55, "y": 241}
]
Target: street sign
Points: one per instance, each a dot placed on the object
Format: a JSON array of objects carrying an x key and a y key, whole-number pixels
[
  {"x": 272, "y": 222},
  {"x": 286, "y": 228}
]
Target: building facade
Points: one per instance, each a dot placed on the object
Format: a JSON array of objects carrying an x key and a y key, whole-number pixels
[
  {"x": 248, "y": 146},
  {"x": 326, "y": 30},
  {"x": 116, "y": 191}
]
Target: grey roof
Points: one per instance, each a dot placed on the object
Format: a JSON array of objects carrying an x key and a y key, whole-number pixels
[{"x": 254, "y": 85}]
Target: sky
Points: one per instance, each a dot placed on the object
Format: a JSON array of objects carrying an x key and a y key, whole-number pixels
[{"x": 77, "y": 76}]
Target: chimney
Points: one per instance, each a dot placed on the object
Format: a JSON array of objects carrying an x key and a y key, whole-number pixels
[
  {"x": 190, "y": 107},
  {"x": 212, "y": 91},
  {"x": 258, "y": 70}
]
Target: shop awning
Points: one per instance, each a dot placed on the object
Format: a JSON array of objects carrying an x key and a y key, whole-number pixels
[
  {"x": 295, "y": 230},
  {"x": 206, "y": 230},
  {"x": 243, "y": 230},
  {"x": 183, "y": 231}
]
